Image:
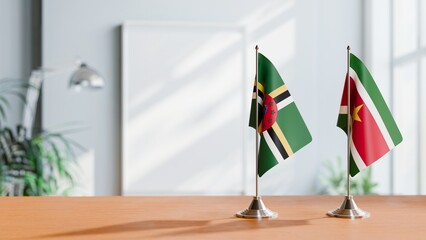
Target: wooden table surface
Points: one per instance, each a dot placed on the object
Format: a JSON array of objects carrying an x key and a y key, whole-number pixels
[{"x": 300, "y": 217}]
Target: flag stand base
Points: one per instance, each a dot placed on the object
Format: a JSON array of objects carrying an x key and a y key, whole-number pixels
[
  {"x": 349, "y": 209},
  {"x": 257, "y": 209}
]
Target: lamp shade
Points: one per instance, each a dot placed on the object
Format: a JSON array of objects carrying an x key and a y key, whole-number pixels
[{"x": 86, "y": 77}]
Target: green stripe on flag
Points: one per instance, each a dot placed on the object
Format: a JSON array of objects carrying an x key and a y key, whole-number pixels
[
  {"x": 342, "y": 122},
  {"x": 293, "y": 127},
  {"x": 266, "y": 158},
  {"x": 353, "y": 167},
  {"x": 370, "y": 86},
  {"x": 268, "y": 73},
  {"x": 252, "y": 118}
]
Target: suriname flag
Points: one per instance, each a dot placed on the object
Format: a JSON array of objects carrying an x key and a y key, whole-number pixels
[
  {"x": 281, "y": 127},
  {"x": 374, "y": 131}
]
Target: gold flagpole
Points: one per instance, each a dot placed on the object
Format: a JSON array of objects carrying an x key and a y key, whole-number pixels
[
  {"x": 348, "y": 209},
  {"x": 257, "y": 208}
]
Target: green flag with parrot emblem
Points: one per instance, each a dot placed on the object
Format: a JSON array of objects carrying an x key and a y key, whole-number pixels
[{"x": 280, "y": 125}]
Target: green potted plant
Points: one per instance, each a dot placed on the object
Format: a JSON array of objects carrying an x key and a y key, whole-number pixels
[
  {"x": 35, "y": 165},
  {"x": 333, "y": 180}
]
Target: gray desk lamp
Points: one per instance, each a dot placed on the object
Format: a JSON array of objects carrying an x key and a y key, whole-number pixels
[
  {"x": 86, "y": 77},
  {"x": 82, "y": 77}
]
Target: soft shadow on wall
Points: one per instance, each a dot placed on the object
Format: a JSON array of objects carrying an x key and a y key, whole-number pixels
[{"x": 200, "y": 153}]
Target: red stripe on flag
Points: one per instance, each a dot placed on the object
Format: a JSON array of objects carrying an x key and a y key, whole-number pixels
[
  {"x": 366, "y": 134},
  {"x": 344, "y": 101}
]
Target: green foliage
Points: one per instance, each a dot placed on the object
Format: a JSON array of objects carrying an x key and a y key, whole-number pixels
[
  {"x": 335, "y": 177},
  {"x": 10, "y": 88},
  {"x": 35, "y": 166}
]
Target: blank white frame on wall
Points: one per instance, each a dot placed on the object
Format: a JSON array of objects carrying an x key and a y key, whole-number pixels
[{"x": 203, "y": 67}]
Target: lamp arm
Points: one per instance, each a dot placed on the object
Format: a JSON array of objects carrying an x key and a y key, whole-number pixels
[
  {"x": 82, "y": 76},
  {"x": 33, "y": 93},
  {"x": 52, "y": 71},
  {"x": 32, "y": 97}
]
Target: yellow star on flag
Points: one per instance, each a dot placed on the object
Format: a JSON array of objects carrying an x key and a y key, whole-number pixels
[{"x": 355, "y": 115}]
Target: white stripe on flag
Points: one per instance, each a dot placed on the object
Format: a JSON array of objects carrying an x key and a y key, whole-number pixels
[
  {"x": 366, "y": 98},
  {"x": 343, "y": 110},
  {"x": 285, "y": 102},
  {"x": 272, "y": 146},
  {"x": 259, "y": 99},
  {"x": 357, "y": 158}
]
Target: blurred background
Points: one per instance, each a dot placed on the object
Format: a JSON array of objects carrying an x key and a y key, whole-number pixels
[{"x": 172, "y": 116}]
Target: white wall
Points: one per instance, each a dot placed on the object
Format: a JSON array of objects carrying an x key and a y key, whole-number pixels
[
  {"x": 394, "y": 56},
  {"x": 306, "y": 40},
  {"x": 340, "y": 23},
  {"x": 15, "y": 47}
]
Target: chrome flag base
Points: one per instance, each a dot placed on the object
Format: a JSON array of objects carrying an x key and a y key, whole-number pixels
[
  {"x": 257, "y": 209},
  {"x": 349, "y": 209}
]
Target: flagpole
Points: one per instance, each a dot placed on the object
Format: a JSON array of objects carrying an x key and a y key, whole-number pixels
[
  {"x": 349, "y": 128},
  {"x": 348, "y": 209},
  {"x": 257, "y": 208},
  {"x": 257, "y": 124}
]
